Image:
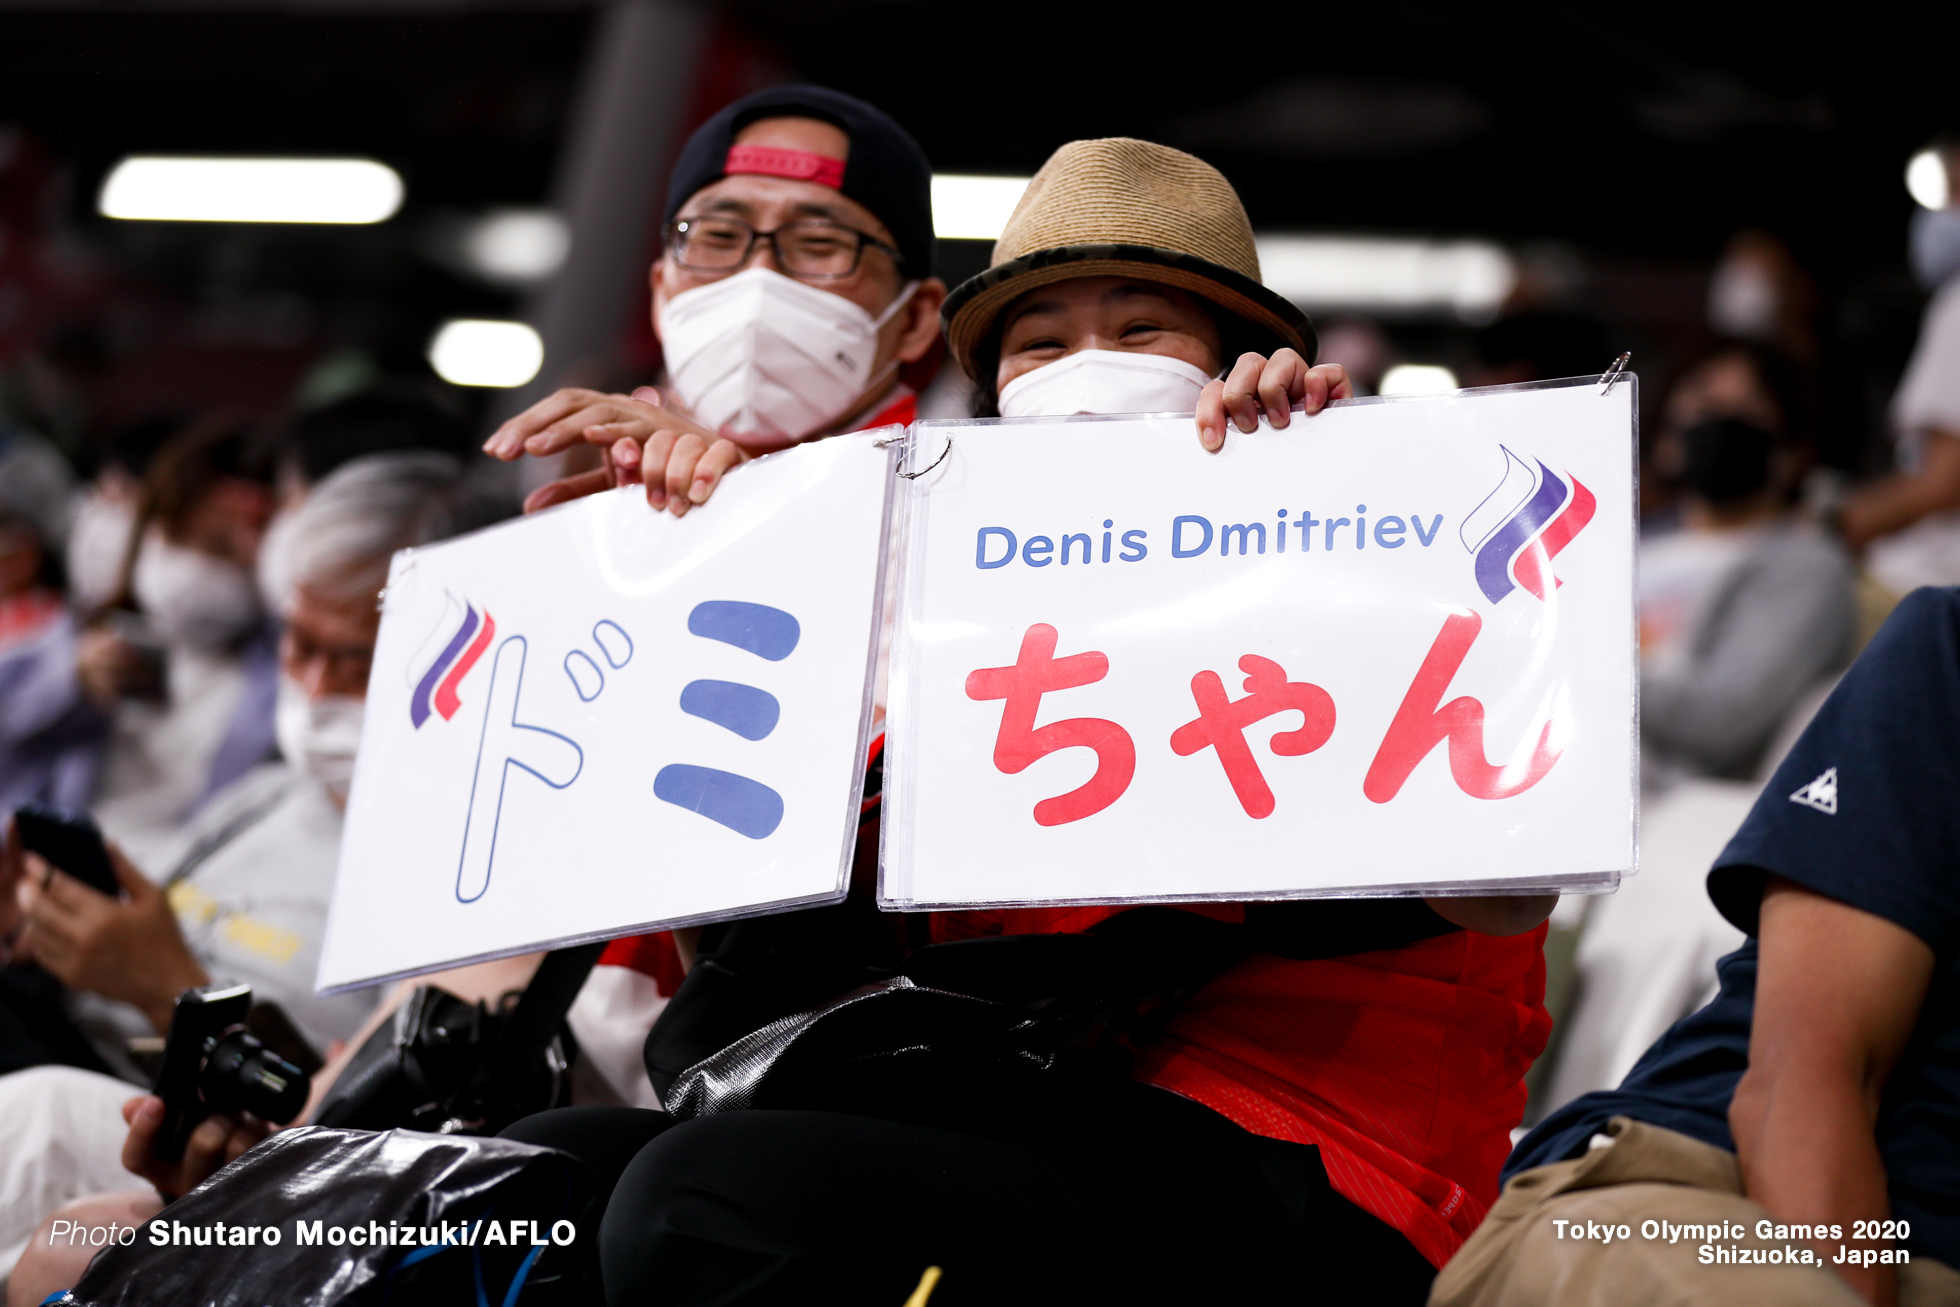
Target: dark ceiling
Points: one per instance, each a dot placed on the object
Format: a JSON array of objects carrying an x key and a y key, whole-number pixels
[
  {"x": 1652, "y": 129},
  {"x": 1657, "y": 128},
  {"x": 1636, "y": 137}
]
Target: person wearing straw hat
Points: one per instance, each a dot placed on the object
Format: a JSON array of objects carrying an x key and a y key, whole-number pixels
[{"x": 1126, "y": 280}]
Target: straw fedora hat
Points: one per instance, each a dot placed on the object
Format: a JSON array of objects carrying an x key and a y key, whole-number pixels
[{"x": 1123, "y": 207}]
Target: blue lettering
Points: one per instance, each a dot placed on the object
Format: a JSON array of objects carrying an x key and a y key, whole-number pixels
[
  {"x": 746, "y": 807},
  {"x": 980, "y": 547},
  {"x": 743, "y": 709},
  {"x": 1086, "y": 548},
  {"x": 764, "y": 631},
  {"x": 1037, "y": 545},
  {"x": 1360, "y": 527},
  {"x": 1106, "y": 522},
  {"x": 506, "y": 745},
  {"x": 1427, "y": 536},
  {"x": 1245, "y": 530},
  {"x": 1177, "y": 537},
  {"x": 591, "y": 676},
  {"x": 1388, "y": 533},
  {"x": 1134, "y": 540},
  {"x": 607, "y": 634},
  {"x": 1307, "y": 523},
  {"x": 1334, "y": 524}
]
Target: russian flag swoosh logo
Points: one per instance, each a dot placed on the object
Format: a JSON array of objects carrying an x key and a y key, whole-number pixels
[
  {"x": 435, "y": 687},
  {"x": 1521, "y": 525}
]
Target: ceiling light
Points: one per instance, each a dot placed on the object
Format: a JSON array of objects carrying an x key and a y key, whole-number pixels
[
  {"x": 168, "y": 189},
  {"x": 1926, "y": 179},
  {"x": 1418, "y": 379},
  {"x": 484, "y": 352},
  {"x": 1372, "y": 274},
  {"x": 516, "y": 245},
  {"x": 974, "y": 208}
]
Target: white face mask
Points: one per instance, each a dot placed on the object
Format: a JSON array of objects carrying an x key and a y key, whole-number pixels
[
  {"x": 1104, "y": 381},
  {"x": 96, "y": 545},
  {"x": 1933, "y": 242},
  {"x": 1743, "y": 300},
  {"x": 319, "y": 736},
  {"x": 191, "y": 598},
  {"x": 762, "y": 357}
]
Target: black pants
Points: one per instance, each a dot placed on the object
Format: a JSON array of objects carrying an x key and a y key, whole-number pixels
[{"x": 1125, "y": 1194}]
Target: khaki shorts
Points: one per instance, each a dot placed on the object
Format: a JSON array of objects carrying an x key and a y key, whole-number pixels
[{"x": 1517, "y": 1259}]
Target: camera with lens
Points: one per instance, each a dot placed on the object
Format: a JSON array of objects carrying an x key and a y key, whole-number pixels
[{"x": 212, "y": 1063}]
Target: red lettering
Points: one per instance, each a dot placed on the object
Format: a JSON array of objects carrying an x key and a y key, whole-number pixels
[
  {"x": 1420, "y": 726},
  {"x": 1035, "y": 672},
  {"x": 1222, "y": 722}
]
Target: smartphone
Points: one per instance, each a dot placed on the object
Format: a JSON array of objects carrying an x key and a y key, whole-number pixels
[{"x": 70, "y": 841}]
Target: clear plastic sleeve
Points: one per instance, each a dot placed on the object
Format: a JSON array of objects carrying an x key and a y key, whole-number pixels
[
  {"x": 1390, "y": 650},
  {"x": 602, "y": 720}
]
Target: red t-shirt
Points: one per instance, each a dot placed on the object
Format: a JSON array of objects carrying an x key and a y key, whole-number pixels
[
  {"x": 1406, "y": 1065},
  {"x": 651, "y": 955},
  {"x": 903, "y": 410}
]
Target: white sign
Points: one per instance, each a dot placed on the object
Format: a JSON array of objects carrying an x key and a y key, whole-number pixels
[
  {"x": 1390, "y": 648},
  {"x": 601, "y": 719}
]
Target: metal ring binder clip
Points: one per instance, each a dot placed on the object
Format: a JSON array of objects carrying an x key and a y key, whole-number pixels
[
  {"x": 381, "y": 595},
  {"x": 914, "y": 476},
  {"x": 1615, "y": 372}
]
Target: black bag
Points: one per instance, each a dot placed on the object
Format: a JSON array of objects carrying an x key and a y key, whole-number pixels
[
  {"x": 748, "y": 973},
  {"x": 433, "y": 1198},
  {"x": 465, "y": 1068},
  {"x": 957, "y": 1029},
  {"x": 890, "y": 1049},
  {"x": 963, "y": 1025}
]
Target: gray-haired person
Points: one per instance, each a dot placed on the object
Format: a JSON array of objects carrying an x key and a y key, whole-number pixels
[{"x": 244, "y": 895}]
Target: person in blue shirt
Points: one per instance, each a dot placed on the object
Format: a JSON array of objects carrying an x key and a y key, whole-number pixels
[{"x": 1809, "y": 1115}]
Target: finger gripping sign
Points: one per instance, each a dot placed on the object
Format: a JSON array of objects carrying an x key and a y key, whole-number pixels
[
  {"x": 1389, "y": 649},
  {"x": 600, "y": 720}
]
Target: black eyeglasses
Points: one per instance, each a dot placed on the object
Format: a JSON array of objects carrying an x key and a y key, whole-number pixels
[{"x": 813, "y": 249}]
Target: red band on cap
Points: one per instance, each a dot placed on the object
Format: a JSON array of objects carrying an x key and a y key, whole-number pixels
[{"x": 797, "y": 165}]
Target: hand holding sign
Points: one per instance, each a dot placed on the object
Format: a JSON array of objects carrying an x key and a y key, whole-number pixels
[
  {"x": 1422, "y": 704},
  {"x": 1259, "y": 387},
  {"x": 599, "y": 720},
  {"x": 648, "y": 439}
]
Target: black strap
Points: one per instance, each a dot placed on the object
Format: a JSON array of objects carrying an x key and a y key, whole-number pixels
[
  {"x": 538, "y": 1014},
  {"x": 216, "y": 840}
]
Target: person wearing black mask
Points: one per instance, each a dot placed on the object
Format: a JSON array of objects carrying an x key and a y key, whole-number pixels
[{"x": 1743, "y": 609}]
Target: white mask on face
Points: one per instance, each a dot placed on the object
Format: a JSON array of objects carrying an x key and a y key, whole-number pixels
[
  {"x": 1933, "y": 242},
  {"x": 1104, "y": 381},
  {"x": 192, "y": 598},
  {"x": 319, "y": 736},
  {"x": 762, "y": 357},
  {"x": 1743, "y": 300},
  {"x": 96, "y": 545}
]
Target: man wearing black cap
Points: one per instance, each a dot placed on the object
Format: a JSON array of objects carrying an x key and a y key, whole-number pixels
[{"x": 794, "y": 283}]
